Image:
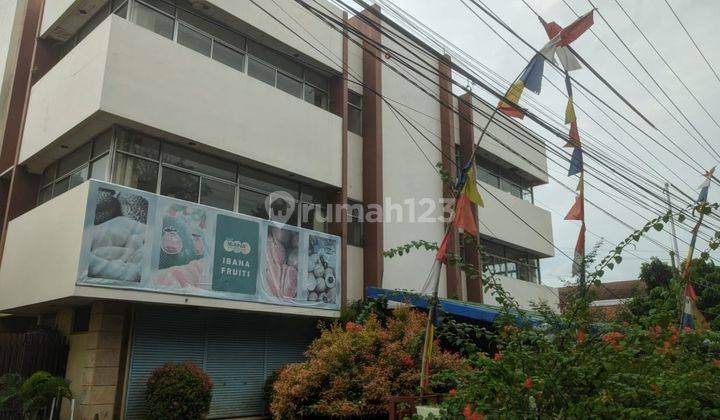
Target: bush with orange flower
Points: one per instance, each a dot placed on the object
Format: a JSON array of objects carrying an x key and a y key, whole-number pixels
[{"x": 352, "y": 369}]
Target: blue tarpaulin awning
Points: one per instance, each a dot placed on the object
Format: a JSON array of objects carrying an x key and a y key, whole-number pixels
[{"x": 470, "y": 310}]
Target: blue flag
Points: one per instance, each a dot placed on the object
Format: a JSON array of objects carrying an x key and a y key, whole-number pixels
[{"x": 576, "y": 162}]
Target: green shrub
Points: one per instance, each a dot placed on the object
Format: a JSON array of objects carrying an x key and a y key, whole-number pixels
[
  {"x": 178, "y": 391},
  {"x": 33, "y": 394}
]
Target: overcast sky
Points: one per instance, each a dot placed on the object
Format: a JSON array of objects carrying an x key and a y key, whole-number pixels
[{"x": 453, "y": 21}]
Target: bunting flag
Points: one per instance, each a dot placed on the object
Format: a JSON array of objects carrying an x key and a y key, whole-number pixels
[
  {"x": 691, "y": 316},
  {"x": 576, "y": 162},
  {"x": 470, "y": 188},
  {"x": 573, "y": 31},
  {"x": 573, "y": 136},
  {"x": 567, "y": 59},
  {"x": 579, "y": 252},
  {"x": 464, "y": 217},
  {"x": 577, "y": 211},
  {"x": 570, "y": 111},
  {"x": 443, "y": 248},
  {"x": 705, "y": 186},
  {"x": 580, "y": 188},
  {"x": 532, "y": 76},
  {"x": 512, "y": 96}
]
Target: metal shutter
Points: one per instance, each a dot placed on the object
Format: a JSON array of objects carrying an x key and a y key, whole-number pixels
[
  {"x": 238, "y": 350},
  {"x": 161, "y": 334}
]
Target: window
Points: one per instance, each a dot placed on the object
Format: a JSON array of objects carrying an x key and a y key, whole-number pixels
[
  {"x": 355, "y": 224},
  {"x": 493, "y": 174},
  {"x": 261, "y": 71},
  {"x": 506, "y": 261},
  {"x": 355, "y": 113},
  {"x": 81, "y": 319},
  {"x": 289, "y": 84},
  {"x": 75, "y": 168},
  {"x": 228, "y": 56},
  {"x": 217, "y": 194},
  {"x": 153, "y": 19},
  {"x": 135, "y": 172},
  {"x": 194, "y": 40}
]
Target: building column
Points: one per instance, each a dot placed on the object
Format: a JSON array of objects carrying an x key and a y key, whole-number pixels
[
  {"x": 102, "y": 375},
  {"x": 467, "y": 146},
  {"x": 447, "y": 147},
  {"x": 372, "y": 144}
]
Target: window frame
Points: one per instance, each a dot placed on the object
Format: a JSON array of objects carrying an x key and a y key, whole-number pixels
[{"x": 358, "y": 108}]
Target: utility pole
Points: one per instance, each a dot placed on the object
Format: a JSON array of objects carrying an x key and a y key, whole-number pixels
[{"x": 676, "y": 261}]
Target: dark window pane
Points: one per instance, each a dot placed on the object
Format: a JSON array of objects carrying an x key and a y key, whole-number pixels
[
  {"x": 217, "y": 194},
  {"x": 316, "y": 97},
  {"x": 98, "y": 168},
  {"x": 194, "y": 40},
  {"x": 354, "y": 99},
  {"x": 316, "y": 79},
  {"x": 313, "y": 195},
  {"x": 312, "y": 216},
  {"x": 289, "y": 85},
  {"x": 78, "y": 177},
  {"x": 153, "y": 20},
  {"x": 81, "y": 319},
  {"x": 199, "y": 162},
  {"x": 266, "y": 183},
  {"x": 276, "y": 59},
  {"x": 355, "y": 120},
  {"x": 164, "y": 5},
  {"x": 355, "y": 233},
  {"x": 45, "y": 194},
  {"x": 74, "y": 160},
  {"x": 135, "y": 173},
  {"x": 61, "y": 186},
  {"x": 228, "y": 56},
  {"x": 252, "y": 203},
  {"x": 261, "y": 71},
  {"x": 138, "y": 144},
  {"x": 102, "y": 143},
  {"x": 181, "y": 185},
  {"x": 212, "y": 29},
  {"x": 48, "y": 174},
  {"x": 122, "y": 10}
]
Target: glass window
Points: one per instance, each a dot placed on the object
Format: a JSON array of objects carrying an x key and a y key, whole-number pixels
[
  {"x": 313, "y": 217},
  {"x": 261, "y": 181},
  {"x": 102, "y": 143},
  {"x": 261, "y": 71},
  {"x": 217, "y": 194},
  {"x": 61, "y": 186},
  {"x": 153, "y": 20},
  {"x": 212, "y": 29},
  {"x": 78, "y": 177},
  {"x": 310, "y": 194},
  {"x": 228, "y": 56},
  {"x": 98, "y": 169},
  {"x": 316, "y": 96},
  {"x": 354, "y": 120},
  {"x": 316, "y": 79},
  {"x": 180, "y": 185},
  {"x": 48, "y": 174},
  {"x": 276, "y": 59},
  {"x": 164, "y": 5},
  {"x": 198, "y": 162},
  {"x": 135, "y": 173},
  {"x": 81, "y": 319},
  {"x": 138, "y": 144},
  {"x": 289, "y": 85},
  {"x": 252, "y": 203},
  {"x": 45, "y": 194},
  {"x": 121, "y": 10},
  {"x": 194, "y": 40},
  {"x": 355, "y": 225},
  {"x": 488, "y": 177},
  {"x": 355, "y": 99},
  {"x": 74, "y": 160}
]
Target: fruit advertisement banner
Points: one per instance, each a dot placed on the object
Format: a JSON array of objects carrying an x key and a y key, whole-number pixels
[{"x": 138, "y": 240}]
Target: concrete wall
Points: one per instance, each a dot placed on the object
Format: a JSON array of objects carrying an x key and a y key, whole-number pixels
[
  {"x": 133, "y": 74},
  {"x": 498, "y": 222},
  {"x": 62, "y": 18},
  {"x": 526, "y": 293},
  {"x": 354, "y": 281},
  {"x": 355, "y": 166},
  {"x": 40, "y": 262},
  {"x": 11, "y": 18}
]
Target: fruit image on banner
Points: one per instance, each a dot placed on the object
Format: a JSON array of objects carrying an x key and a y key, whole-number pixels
[
  {"x": 321, "y": 282},
  {"x": 235, "y": 265},
  {"x": 281, "y": 269}
]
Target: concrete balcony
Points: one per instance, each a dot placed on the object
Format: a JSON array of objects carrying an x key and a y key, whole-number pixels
[
  {"x": 526, "y": 294},
  {"x": 123, "y": 73},
  {"x": 497, "y": 222},
  {"x": 70, "y": 250}
]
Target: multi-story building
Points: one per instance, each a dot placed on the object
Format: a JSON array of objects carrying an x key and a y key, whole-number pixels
[{"x": 141, "y": 140}]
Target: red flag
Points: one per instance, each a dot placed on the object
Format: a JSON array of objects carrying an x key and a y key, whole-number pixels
[
  {"x": 576, "y": 212},
  {"x": 551, "y": 28},
  {"x": 442, "y": 250},
  {"x": 579, "y": 252},
  {"x": 573, "y": 136},
  {"x": 510, "y": 111},
  {"x": 690, "y": 292},
  {"x": 575, "y": 29},
  {"x": 464, "y": 218}
]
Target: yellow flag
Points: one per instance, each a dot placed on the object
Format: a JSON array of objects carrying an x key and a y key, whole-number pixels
[
  {"x": 470, "y": 188},
  {"x": 570, "y": 112}
]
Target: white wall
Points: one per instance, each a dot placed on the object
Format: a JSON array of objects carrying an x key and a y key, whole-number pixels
[
  {"x": 355, "y": 279},
  {"x": 11, "y": 19},
  {"x": 42, "y": 251},
  {"x": 498, "y": 222},
  {"x": 526, "y": 293},
  {"x": 355, "y": 167},
  {"x": 145, "y": 78}
]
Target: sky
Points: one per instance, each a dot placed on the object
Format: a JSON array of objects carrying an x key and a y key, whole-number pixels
[{"x": 452, "y": 20}]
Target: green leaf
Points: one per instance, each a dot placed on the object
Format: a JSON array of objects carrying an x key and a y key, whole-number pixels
[
  {"x": 618, "y": 259},
  {"x": 610, "y": 265},
  {"x": 658, "y": 226},
  {"x": 704, "y": 255},
  {"x": 681, "y": 218}
]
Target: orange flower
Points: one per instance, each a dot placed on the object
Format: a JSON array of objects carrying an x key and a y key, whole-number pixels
[
  {"x": 453, "y": 392},
  {"x": 467, "y": 411},
  {"x": 528, "y": 382},
  {"x": 407, "y": 360},
  {"x": 666, "y": 345},
  {"x": 687, "y": 330},
  {"x": 581, "y": 336},
  {"x": 716, "y": 362},
  {"x": 497, "y": 357}
]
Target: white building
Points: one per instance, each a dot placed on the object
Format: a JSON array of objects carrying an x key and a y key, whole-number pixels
[{"x": 216, "y": 104}]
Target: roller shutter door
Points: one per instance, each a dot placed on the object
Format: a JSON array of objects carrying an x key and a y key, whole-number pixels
[{"x": 238, "y": 350}]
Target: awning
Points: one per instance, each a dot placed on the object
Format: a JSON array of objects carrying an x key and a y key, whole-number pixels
[{"x": 470, "y": 310}]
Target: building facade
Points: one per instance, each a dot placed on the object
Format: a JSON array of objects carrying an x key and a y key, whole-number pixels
[{"x": 149, "y": 145}]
